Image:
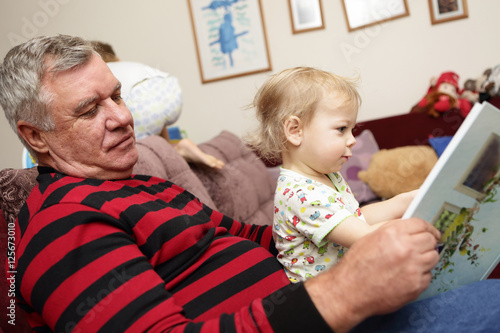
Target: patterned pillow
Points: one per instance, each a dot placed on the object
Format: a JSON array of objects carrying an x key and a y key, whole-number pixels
[
  {"x": 362, "y": 152},
  {"x": 15, "y": 186}
]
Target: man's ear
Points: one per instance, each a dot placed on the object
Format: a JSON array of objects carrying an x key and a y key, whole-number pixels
[
  {"x": 32, "y": 136},
  {"x": 293, "y": 130}
]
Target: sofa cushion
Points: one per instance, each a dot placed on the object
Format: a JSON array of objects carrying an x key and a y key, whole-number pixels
[
  {"x": 362, "y": 153},
  {"x": 243, "y": 189},
  {"x": 440, "y": 143},
  {"x": 15, "y": 186},
  {"x": 157, "y": 157}
]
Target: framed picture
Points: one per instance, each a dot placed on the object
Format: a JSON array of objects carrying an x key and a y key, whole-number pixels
[
  {"x": 364, "y": 13},
  {"x": 230, "y": 38},
  {"x": 306, "y": 15},
  {"x": 444, "y": 11}
]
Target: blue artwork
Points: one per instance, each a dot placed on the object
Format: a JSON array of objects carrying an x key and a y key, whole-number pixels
[
  {"x": 230, "y": 37},
  {"x": 227, "y": 36}
]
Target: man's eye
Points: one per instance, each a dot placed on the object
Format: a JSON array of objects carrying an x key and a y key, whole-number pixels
[
  {"x": 92, "y": 112},
  {"x": 118, "y": 99}
]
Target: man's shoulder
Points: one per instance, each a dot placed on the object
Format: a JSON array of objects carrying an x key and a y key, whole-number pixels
[{"x": 55, "y": 188}]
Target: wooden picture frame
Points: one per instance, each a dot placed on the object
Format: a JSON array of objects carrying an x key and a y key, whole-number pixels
[
  {"x": 230, "y": 38},
  {"x": 360, "y": 14},
  {"x": 453, "y": 10},
  {"x": 306, "y": 15}
]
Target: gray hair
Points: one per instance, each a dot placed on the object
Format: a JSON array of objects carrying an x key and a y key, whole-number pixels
[{"x": 22, "y": 93}]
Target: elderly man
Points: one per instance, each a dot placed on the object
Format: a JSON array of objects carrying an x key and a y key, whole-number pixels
[{"x": 102, "y": 249}]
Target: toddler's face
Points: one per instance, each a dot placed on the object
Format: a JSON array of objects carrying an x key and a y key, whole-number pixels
[{"x": 328, "y": 139}]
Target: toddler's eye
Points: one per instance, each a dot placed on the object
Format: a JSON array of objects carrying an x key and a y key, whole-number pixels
[{"x": 342, "y": 129}]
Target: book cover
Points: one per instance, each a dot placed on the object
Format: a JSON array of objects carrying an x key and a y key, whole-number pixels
[{"x": 459, "y": 196}]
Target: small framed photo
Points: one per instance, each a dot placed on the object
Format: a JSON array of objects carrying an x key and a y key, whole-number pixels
[
  {"x": 306, "y": 15},
  {"x": 360, "y": 14},
  {"x": 230, "y": 38},
  {"x": 445, "y": 11}
]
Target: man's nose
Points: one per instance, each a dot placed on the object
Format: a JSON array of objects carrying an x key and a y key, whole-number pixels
[{"x": 118, "y": 116}]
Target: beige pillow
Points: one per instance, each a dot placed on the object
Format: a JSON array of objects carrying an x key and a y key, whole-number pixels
[{"x": 398, "y": 170}]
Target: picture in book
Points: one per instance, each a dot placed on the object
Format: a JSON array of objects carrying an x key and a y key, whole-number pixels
[{"x": 460, "y": 197}]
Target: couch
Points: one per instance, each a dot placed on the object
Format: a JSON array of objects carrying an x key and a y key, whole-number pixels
[{"x": 243, "y": 189}]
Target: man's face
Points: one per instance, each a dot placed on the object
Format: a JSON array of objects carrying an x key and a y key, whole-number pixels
[{"x": 94, "y": 130}]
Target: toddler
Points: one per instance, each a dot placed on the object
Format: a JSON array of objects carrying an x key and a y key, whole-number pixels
[{"x": 306, "y": 120}]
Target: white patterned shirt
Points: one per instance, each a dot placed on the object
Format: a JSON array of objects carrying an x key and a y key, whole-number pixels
[{"x": 305, "y": 213}]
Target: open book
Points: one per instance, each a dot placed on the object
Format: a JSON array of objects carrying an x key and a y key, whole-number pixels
[{"x": 459, "y": 197}]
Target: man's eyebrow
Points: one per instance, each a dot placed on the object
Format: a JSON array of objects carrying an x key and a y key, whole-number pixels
[{"x": 91, "y": 100}]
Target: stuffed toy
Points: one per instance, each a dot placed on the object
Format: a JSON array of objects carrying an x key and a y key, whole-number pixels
[
  {"x": 491, "y": 86},
  {"x": 471, "y": 90},
  {"x": 475, "y": 90},
  {"x": 443, "y": 95},
  {"x": 398, "y": 170}
]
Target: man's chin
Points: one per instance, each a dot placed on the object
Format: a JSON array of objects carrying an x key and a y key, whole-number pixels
[{"x": 122, "y": 166}]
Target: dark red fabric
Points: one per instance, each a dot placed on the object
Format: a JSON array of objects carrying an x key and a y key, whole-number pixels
[
  {"x": 410, "y": 129},
  {"x": 496, "y": 273}
]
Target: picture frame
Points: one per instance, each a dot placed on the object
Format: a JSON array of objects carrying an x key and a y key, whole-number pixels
[
  {"x": 230, "y": 38},
  {"x": 360, "y": 14},
  {"x": 306, "y": 15},
  {"x": 453, "y": 10}
]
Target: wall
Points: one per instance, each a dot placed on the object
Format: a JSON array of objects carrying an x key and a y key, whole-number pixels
[{"x": 395, "y": 60}]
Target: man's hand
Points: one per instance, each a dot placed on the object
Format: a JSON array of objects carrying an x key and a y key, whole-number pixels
[{"x": 379, "y": 274}]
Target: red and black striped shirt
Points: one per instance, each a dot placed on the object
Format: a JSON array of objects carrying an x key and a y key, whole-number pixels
[{"x": 143, "y": 254}]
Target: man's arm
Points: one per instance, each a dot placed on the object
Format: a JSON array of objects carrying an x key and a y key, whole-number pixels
[
  {"x": 261, "y": 234},
  {"x": 379, "y": 274}
]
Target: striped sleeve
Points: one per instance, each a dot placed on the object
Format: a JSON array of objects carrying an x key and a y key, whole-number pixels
[{"x": 261, "y": 234}]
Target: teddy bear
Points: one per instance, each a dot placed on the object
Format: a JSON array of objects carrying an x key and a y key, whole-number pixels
[
  {"x": 443, "y": 95},
  {"x": 397, "y": 170}
]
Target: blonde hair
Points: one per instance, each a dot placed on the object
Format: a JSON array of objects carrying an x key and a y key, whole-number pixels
[
  {"x": 293, "y": 92},
  {"x": 106, "y": 51}
]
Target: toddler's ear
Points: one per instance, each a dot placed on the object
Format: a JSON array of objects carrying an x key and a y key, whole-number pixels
[{"x": 293, "y": 130}]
